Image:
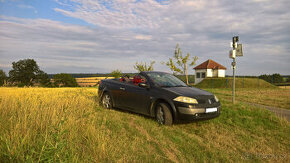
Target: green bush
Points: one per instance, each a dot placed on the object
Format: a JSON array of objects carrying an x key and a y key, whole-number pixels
[
  {"x": 274, "y": 78},
  {"x": 3, "y": 77},
  {"x": 64, "y": 80},
  {"x": 116, "y": 73}
]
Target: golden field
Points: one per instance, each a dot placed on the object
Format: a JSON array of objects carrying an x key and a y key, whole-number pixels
[
  {"x": 90, "y": 81},
  {"x": 68, "y": 125},
  {"x": 284, "y": 87}
]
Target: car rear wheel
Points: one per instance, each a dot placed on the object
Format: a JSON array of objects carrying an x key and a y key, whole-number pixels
[
  {"x": 107, "y": 101},
  {"x": 163, "y": 114}
]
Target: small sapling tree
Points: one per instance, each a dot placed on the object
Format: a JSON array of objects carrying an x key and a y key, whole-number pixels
[
  {"x": 144, "y": 67},
  {"x": 179, "y": 63}
]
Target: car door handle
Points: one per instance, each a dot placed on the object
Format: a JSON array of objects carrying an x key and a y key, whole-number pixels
[{"x": 122, "y": 88}]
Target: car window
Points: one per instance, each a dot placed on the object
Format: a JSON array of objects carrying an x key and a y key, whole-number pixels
[{"x": 165, "y": 80}]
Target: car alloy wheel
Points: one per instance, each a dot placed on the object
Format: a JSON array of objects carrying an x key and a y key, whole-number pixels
[
  {"x": 107, "y": 101},
  {"x": 163, "y": 114},
  {"x": 160, "y": 115}
]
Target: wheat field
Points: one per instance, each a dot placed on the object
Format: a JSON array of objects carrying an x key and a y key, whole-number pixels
[
  {"x": 42, "y": 121},
  {"x": 90, "y": 81}
]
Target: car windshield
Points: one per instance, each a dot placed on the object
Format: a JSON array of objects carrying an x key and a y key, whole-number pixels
[{"x": 165, "y": 80}]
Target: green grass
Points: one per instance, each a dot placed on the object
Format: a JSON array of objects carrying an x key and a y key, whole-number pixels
[
  {"x": 67, "y": 125},
  {"x": 191, "y": 78},
  {"x": 239, "y": 83},
  {"x": 277, "y": 97}
]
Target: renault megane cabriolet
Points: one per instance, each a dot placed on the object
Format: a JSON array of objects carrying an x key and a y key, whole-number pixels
[{"x": 159, "y": 95}]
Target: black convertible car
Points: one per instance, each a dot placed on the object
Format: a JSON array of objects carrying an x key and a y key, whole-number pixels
[{"x": 160, "y": 95}]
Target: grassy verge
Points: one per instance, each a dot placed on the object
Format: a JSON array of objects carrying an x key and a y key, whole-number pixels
[
  {"x": 66, "y": 124},
  {"x": 239, "y": 83},
  {"x": 272, "y": 97}
]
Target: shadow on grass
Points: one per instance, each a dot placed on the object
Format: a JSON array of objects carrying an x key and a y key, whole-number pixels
[{"x": 178, "y": 122}]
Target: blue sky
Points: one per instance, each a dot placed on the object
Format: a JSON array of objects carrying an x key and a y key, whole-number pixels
[
  {"x": 98, "y": 36},
  {"x": 36, "y": 9}
]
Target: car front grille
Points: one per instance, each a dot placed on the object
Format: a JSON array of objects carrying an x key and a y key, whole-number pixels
[{"x": 206, "y": 100}]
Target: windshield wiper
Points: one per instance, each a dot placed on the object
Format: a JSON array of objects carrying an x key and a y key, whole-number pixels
[
  {"x": 180, "y": 86},
  {"x": 166, "y": 86}
]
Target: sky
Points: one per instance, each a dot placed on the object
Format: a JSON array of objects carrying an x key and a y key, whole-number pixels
[{"x": 98, "y": 36}]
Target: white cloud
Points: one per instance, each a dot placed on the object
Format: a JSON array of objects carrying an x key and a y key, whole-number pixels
[
  {"x": 56, "y": 46},
  {"x": 127, "y": 31},
  {"x": 143, "y": 37},
  {"x": 114, "y": 14}
]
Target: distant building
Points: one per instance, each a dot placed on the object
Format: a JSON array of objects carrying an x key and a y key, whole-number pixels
[{"x": 209, "y": 69}]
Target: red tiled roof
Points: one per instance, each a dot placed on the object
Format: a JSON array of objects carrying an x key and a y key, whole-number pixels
[{"x": 210, "y": 64}]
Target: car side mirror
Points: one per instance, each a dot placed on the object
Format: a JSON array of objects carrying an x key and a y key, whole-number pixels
[{"x": 143, "y": 85}]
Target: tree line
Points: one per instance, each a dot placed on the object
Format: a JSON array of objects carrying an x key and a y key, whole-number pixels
[
  {"x": 274, "y": 78},
  {"x": 26, "y": 72}
]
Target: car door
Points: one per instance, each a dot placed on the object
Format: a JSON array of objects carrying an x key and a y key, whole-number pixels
[
  {"x": 122, "y": 88},
  {"x": 116, "y": 93},
  {"x": 136, "y": 98}
]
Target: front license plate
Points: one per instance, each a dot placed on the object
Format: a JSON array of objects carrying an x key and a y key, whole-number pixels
[{"x": 210, "y": 110}]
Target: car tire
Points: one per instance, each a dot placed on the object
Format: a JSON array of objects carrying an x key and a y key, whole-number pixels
[
  {"x": 107, "y": 101},
  {"x": 163, "y": 114}
]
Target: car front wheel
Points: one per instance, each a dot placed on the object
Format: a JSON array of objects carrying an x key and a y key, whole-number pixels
[
  {"x": 107, "y": 101},
  {"x": 163, "y": 114}
]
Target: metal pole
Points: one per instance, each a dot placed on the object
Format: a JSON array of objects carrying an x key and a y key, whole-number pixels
[
  {"x": 233, "y": 55},
  {"x": 243, "y": 81},
  {"x": 227, "y": 83},
  {"x": 234, "y": 67}
]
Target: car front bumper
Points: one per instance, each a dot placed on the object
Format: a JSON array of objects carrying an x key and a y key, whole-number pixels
[{"x": 187, "y": 113}]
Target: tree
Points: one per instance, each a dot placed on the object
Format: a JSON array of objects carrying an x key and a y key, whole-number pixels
[
  {"x": 144, "y": 67},
  {"x": 266, "y": 77},
  {"x": 64, "y": 80},
  {"x": 116, "y": 73},
  {"x": 24, "y": 72},
  {"x": 277, "y": 78},
  {"x": 43, "y": 79},
  {"x": 179, "y": 64},
  {"x": 3, "y": 77}
]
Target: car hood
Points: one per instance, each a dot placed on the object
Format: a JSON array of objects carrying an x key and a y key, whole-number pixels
[{"x": 188, "y": 91}]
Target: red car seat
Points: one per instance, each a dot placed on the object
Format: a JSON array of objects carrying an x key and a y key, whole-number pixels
[{"x": 137, "y": 80}]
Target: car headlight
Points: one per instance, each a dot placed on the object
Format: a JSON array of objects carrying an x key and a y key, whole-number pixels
[
  {"x": 216, "y": 99},
  {"x": 186, "y": 100}
]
